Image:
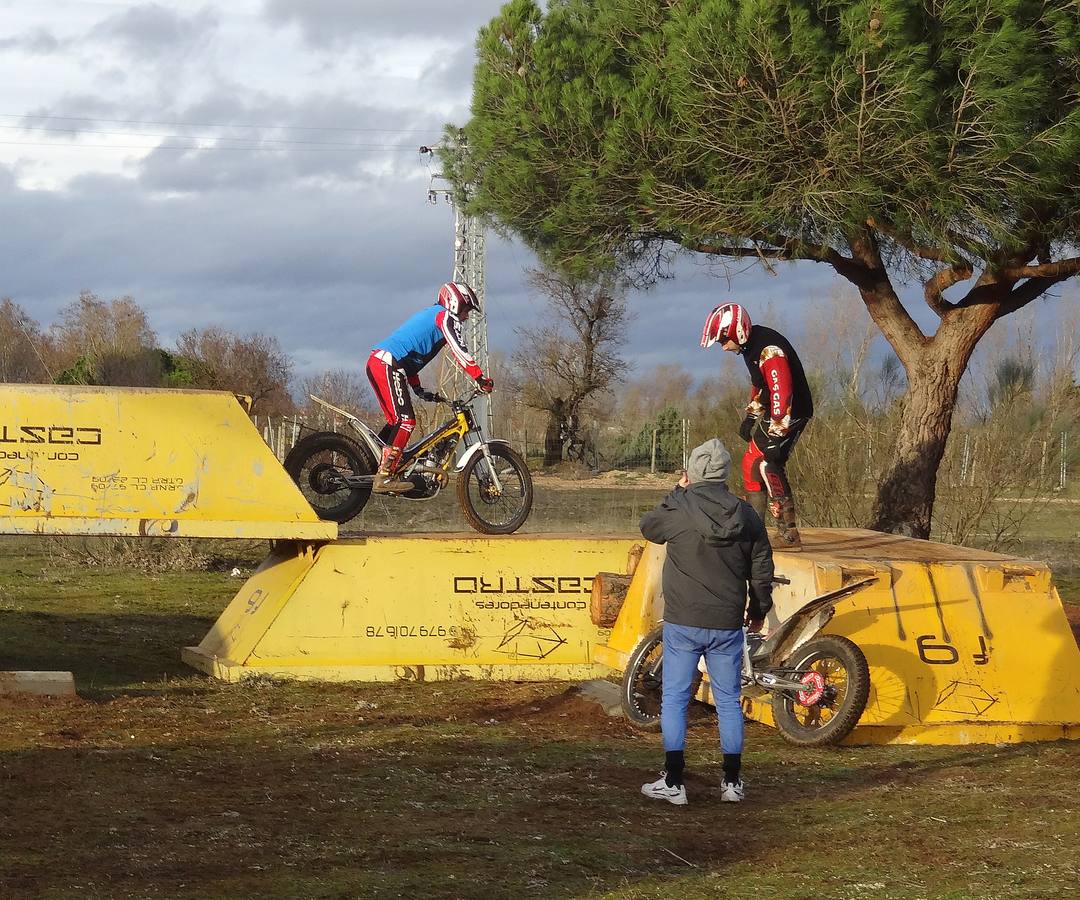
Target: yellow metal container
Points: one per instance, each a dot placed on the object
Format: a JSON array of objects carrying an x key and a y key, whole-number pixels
[
  {"x": 964, "y": 646},
  {"x": 134, "y": 461},
  {"x": 425, "y": 607}
]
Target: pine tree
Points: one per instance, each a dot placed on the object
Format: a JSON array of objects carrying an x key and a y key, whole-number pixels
[{"x": 894, "y": 141}]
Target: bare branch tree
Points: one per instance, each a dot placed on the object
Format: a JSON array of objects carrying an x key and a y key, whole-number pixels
[{"x": 570, "y": 356}]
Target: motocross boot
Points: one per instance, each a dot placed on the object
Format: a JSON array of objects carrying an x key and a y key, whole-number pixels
[
  {"x": 788, "y": 531},
  {"x": 385, "y": 480}
]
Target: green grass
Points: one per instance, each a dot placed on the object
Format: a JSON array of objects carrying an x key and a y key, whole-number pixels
[{"x": 158, "y": 782}]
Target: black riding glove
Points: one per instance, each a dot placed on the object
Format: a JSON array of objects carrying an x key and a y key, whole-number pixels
[
  {"x": 428, "y": 396},
  {"x": 746, "y": 429}
]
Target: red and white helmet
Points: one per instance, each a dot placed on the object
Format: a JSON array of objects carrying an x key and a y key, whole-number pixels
[
  {"x": 458, "y": 298},
  {"x": 728, "y": 322}
]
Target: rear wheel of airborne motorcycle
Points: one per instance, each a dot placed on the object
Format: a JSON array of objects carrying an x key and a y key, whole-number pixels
[
  {"x": 317, "y": 464},
  {"x": 838, "y": 686}
]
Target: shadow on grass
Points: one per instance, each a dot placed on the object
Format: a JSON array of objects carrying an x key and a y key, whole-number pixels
[
  {"x": 104, "y": 651},
  {"x": 290, "y": 791}
]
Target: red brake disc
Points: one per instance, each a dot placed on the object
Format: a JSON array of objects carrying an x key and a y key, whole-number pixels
[{"x": 815, "y": 689}]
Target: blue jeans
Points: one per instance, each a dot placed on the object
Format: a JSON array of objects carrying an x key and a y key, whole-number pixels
[{"x": 683, "y": 648}]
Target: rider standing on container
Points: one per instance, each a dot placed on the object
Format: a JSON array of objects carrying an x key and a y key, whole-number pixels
[
  {"x": 395, "y": 363},
  {"x": 779, "y": 409},
  {"x": 717, "y": 551}
]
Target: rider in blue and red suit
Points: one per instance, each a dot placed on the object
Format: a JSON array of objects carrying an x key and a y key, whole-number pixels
[
  {"x": 779, "y": 409},
  {"x": 395, "y": 364}
]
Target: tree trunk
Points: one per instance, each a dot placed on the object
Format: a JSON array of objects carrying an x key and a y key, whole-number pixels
[
  {"x": 553, "y": 440},
  {"x": 905, "y": 496}
]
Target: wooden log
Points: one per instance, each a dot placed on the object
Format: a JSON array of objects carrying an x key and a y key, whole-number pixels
[
  {"x": 633, "y": 558},
  {"x": 608, "y": 593}
]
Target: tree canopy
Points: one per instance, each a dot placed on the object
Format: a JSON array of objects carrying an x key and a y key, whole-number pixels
[
  {"x": 780, "y": 128},
  {"x": 892, "y": 140}
]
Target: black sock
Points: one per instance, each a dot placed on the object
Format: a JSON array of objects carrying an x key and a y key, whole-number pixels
[
  {"x": 674, "y": 763},
  {"x": 732, "y": 765}
]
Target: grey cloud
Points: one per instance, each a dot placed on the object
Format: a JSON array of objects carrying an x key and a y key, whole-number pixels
[
  {"x": 451, "y": 75},
  {"x": 326, "y": 268},
  {"x": 315, "y": 136},
  {"x": 233, "y": 168},
  {"x": 329, "y": 268},
  {"x": 327, "y": 140},
  {"x": 37, "y": 42},
  {"x": 337, "y": 23},
  {"x": 150, "y": 30}
]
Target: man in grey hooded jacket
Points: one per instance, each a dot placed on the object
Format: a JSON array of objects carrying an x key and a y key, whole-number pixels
[{"x": 717, "y": 554}]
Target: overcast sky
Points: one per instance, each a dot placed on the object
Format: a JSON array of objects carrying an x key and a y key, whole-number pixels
[{"x": 253, "y": 164}]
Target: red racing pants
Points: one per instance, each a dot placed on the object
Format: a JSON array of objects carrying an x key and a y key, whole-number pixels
[
  {"x": 763, "y": 464},
  {"x": 391, "y": 386}
]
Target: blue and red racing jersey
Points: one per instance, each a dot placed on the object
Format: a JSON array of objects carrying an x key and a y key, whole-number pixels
[{"x": 420, "y": 338}]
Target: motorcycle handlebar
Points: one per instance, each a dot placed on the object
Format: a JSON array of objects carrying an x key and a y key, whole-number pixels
[{"x": 463, "y": 400}]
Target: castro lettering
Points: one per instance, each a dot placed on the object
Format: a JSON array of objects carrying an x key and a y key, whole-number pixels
[
  {"x": 49, "y": 434},
  {"x": 535, "y": 584}
]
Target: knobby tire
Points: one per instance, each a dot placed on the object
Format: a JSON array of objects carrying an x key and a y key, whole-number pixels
[
  {"x": 846, "y": 715},
  {"x": 474, "y": 510},
  {"x": 327, "y": 449}
]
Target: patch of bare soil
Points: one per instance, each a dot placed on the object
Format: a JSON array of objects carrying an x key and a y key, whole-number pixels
[
  {"x": 567, "y": 707},
  {"x": 567, "y": 479},
  {"x": 1072, "y": 613}
]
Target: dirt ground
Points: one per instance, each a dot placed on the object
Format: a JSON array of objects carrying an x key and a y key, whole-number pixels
[
  {"x": 160, "y": 783},
  {"x": 1072, "y": 613}
]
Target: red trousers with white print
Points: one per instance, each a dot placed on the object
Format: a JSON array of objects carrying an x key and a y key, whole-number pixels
[
  {"x": 763, "y": 464},
  {"x": 391, "y": 386}
]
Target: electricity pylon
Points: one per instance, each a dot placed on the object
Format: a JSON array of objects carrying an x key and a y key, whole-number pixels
[{"x": 469, "y": 268}]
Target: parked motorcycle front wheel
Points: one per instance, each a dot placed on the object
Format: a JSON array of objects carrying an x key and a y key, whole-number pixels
[
  {"x": 317, "y": 464},
  {"x": 837, "y": 678},
  {"x": 643, "y": 681},
  {"x": 495, "y": 506}
]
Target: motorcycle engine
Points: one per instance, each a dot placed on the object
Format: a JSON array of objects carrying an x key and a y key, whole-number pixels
[{"x": 424, "y": 486}]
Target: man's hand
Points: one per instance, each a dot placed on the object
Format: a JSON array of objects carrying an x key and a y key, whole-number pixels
[
  {"x": 684, "y": 481},
  {"x": 487, "y": 385},
  {"x": 754, "y": 626},
  {"x": 746, "y": 429}
]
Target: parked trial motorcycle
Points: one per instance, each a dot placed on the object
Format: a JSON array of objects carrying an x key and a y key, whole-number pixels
[{"x": 819, "y": 683}]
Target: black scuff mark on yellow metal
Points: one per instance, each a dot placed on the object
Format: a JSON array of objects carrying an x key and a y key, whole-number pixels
[
  {"x": 976, "y": 594},
  {"x": 900, "y": 631},
  {"x": 937, "y": 604}
]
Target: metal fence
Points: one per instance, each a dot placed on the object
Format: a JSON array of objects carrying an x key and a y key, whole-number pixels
[{"x": 666, "y": 450}]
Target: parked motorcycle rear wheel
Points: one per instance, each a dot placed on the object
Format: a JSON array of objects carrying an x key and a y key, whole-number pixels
[
  {"x": 317, "y": 463},
  {"x": 843, "y": 668}
]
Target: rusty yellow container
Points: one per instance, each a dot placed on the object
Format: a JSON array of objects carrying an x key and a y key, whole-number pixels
[
  {"x": 964, "y": 646},
  {"x": 425, "y": 607},
  {"x": 134, "y": 461}
]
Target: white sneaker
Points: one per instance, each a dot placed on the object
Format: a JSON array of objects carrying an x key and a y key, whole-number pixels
[
  {"x": 659, "y": 790},
  {"x": 732, "y": 793}
]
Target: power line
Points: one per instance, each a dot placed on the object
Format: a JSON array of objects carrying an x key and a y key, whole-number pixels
[
  {"x": 345, "y": 148},
  {"x": 186, "y": 137},
  {"x": 215, "y": 124}
]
